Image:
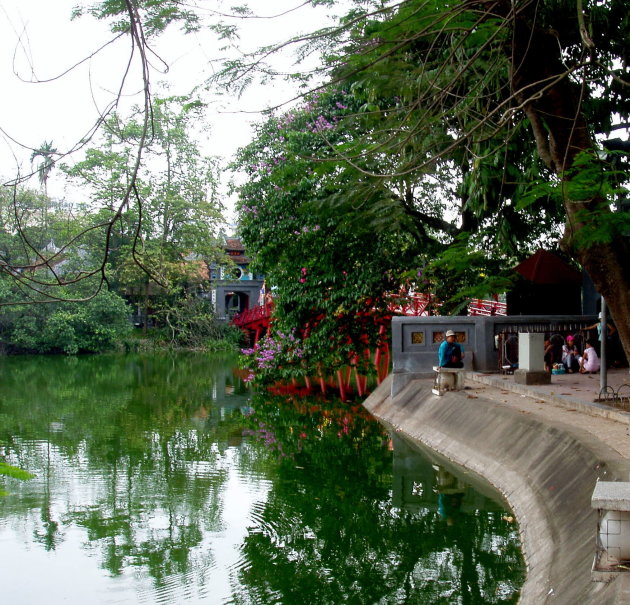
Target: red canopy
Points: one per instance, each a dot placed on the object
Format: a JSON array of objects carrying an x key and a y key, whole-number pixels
[{"x": 545, "y": 267}]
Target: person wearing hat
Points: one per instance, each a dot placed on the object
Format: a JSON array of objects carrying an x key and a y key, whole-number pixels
[
  {"x": 614, "y": 352},
  {"x": 610, "y": 329},
  {"x": 450, "y": 353},
  {"x": 570, "y": 355}
]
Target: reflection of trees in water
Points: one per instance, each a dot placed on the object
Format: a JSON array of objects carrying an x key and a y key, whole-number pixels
[
  {"x": 150, "y": 460},
  {"x": 329, "y": 532},
  {"x": 152, "y": 466}
]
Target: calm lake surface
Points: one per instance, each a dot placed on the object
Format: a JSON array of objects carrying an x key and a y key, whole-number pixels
[{"x": 164, "y": 479}]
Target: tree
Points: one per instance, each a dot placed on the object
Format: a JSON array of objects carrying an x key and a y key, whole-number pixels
[
  {"x": 325, "y": 272},
  {"x": 480, "y": 73},
  {"x": 46, "y": 152},
  {"x": 469, "y": 78},
  {"x": 499, "y": 65},
  {"x": 176, "y": 213},
  {"x": 96, "y": 325}
]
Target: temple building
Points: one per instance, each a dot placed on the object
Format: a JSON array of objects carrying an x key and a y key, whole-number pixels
[{"x": 235, "y": 288}]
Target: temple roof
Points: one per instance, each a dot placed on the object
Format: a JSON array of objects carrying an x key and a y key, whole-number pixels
[{"x": 234, "y": 243}]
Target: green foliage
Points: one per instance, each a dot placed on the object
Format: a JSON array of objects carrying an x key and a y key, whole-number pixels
[
  {"x": 154, "y": 16},
  {"x": 46, "y": 152},
  {"x": 176, "y": 212},
  {"x": 326, "y": 267},
  {"x": 159, "y": 243},
  {"x": 466, "y": 263},
  {"x": 190, "y": 322},
  {"x": 97, "y": 325},
  {"x": 592, "y": 184},
  {"x": 14, "y": 472}
]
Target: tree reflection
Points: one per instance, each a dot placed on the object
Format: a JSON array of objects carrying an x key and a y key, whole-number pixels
[
  {"x": 330, "y": 532},
  {"x": 137, "y": 454},
  {"x": 150, "y": 466}
]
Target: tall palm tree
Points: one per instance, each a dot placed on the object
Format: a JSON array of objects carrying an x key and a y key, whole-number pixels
[{"x": 46, "y": 151}]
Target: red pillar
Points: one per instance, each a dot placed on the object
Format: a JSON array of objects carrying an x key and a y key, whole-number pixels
[{"x": 342, "y": 385}]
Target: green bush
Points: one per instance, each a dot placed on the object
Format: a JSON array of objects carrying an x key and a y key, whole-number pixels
[{"x": 98, "y": 325}]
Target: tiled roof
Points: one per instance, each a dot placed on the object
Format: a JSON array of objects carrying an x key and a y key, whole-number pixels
[{"x": 234, "y": 243}]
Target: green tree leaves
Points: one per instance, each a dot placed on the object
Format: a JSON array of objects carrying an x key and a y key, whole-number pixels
[{"x": 97, "y": 325}]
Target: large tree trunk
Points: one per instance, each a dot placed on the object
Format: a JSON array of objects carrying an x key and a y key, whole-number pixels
[{"x": 551, "y": 102}]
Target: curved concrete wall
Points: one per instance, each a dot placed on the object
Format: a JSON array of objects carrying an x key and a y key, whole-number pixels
[{"x": 546, "y": 472}]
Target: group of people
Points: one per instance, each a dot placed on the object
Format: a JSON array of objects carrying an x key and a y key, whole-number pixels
[
  {"x": 451, "y": 353},
  {"x": 585, "y": 362}
]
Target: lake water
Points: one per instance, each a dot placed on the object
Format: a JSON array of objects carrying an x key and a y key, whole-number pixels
[{"x": 163, "y": 479}]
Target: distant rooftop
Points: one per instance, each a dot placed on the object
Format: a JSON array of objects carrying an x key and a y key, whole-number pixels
[{"x": 234, "y": 243}]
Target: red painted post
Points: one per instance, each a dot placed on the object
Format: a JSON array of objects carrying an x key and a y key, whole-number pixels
[
  {"x": 359, "y": 382},
  {"x": 377, "y": 364},
  {"x": 341, "y": 385},
  {"x": 322, "y": 381}
]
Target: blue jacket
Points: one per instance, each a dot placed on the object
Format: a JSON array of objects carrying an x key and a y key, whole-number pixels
[{"x": 446, "y": 351}]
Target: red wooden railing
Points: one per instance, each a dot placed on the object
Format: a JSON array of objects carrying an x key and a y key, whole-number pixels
[
  {"x": 253, "y": 315},
  {"x": 412, "y": 305},
  {"x": 487, "y": 308}
]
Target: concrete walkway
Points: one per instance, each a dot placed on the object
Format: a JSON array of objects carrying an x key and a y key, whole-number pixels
[
  {"x": 543, "y": 448},
  {"x": 570, "y": 399}
]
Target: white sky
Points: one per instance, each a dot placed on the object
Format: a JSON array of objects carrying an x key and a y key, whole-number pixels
[{"x": 39, "y": 42}]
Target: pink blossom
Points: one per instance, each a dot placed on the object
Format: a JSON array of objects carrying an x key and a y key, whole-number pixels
[{"x": 321, "y": 124}]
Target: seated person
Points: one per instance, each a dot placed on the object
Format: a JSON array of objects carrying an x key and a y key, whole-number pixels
[
  {"x": 589, "y": 362},
  {"x": 450, "y": 353},
  {"x": 570, "y": 356},
  {"x": 548, "y": 355}
]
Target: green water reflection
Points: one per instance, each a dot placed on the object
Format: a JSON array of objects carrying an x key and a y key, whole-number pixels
[{"x": 160, "y": 479}]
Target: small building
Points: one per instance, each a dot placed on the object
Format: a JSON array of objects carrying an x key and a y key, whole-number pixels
[{"x": 234, "y": 288}]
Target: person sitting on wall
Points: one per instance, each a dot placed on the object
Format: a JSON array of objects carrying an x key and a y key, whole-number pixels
[{"x": 450, "y": 353}]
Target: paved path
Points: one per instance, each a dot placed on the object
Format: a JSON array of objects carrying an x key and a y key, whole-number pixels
[{"x": 570, "y": 399}]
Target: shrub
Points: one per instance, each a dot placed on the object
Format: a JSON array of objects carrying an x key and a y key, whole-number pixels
[{"x": 94, "y": 326}]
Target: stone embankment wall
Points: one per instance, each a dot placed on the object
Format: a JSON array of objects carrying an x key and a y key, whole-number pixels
[{"x": 546, "y": 472}]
